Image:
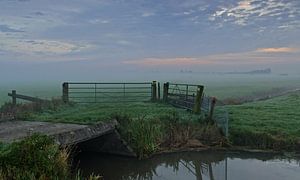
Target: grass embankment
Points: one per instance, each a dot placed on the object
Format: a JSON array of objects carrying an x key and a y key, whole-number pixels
[
  {"x": 147, "y": 127},
  {"x": 36, "y": 158},
  {"x": 270, "y": 124}
]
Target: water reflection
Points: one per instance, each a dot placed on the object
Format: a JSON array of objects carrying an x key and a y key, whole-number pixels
[{"x": 199, "y": 166}]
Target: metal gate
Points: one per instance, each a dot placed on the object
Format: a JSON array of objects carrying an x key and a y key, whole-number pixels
[{"x": 108, "y": 92}]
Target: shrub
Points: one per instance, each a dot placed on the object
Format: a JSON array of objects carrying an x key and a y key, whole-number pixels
[{"x": 36, "y": 157}]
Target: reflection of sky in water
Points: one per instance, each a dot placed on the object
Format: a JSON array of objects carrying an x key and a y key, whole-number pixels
[
  {"x": 187, "y": 170},
  {"x": 237, "y": 169},
  {"x": 256, "y": 169},
  {"x": 190, "y": 166}
]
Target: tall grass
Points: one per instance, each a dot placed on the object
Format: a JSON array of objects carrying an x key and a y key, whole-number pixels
[
  {"x": 149, "y": 134},
  {"x": 143, "y": 134}
]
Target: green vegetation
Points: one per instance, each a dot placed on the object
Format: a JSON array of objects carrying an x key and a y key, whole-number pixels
[
  {"x": 151, "y": 127},
  {"x": 274, "y": 123},
  {"x": 93, "y": 113},
  {"x": 148, "y": 135},
  {"x": 36, "y": 157},
  {"x": 148, "y": 127},
  {"x": 143, "y": 134}
]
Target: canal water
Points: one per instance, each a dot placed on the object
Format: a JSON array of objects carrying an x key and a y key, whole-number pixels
[{"x": 191, "y": 166}]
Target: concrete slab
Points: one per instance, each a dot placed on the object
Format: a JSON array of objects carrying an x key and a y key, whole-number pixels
[
  {"x": 15, "y": 130},
  {"x": 101, "y": 137}
]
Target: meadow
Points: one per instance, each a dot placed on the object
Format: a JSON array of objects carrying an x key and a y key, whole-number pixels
[
  {"x": 273, "y": 123},
  {"x": 266, "y": 124}
]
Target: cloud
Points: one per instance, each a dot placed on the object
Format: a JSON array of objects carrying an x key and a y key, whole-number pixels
[
  {"x": 277, "y": 50},
  {"x": 124, "y": 42},
  {"x": 259, "y": 56},
  {"x": 249, "y": 11},
  {"x": 38, "y": 46},
  {"x": 169, "y": 61},
  {"x": 148, "y": 14},
  {"x": 99, "y": 21},
  {"x": 38, "y": 23},
  {"x": 5, "y": 28}
]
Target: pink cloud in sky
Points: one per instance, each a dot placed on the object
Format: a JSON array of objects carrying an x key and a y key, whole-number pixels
[
  {"x": 259, "y": 56},
  {"x": 277, "y": 50}
]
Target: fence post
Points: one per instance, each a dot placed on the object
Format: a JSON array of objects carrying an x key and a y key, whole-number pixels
[
  {"x": 154, "y": 91},
  {"x": 212, "y": 108},
  {"x": 14, "y": 98},
  {"x": 165, "y": 93},
  {"x": 158, "y": 90},
  {"x": 65, "y": 96},
  {"x": 197, "y": 106}
]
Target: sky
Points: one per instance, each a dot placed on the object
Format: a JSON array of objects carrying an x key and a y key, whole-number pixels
[{"x": 59, "y": 37}]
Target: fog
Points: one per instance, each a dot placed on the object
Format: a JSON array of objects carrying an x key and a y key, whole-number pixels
[{"x": 26, "y": 72}]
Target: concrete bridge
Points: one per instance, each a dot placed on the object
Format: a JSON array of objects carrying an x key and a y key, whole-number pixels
[{"x": 101, "y": 137}]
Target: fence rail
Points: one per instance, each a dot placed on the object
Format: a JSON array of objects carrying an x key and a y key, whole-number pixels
[
  {"x": 16, "y": 96},
  {"x": 94, "y": 92}
]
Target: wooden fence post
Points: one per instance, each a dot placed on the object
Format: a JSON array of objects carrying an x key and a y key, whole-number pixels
[
  {"x": 154, "y": 91},
  {"x": 197, "y": 106},
  {"x": 14, "y": 97},
  {"x": 165, "y": 92},
  {"x": 212, "y": 108},
  {"x": 158, "y": 90},
  {"x": 65, "y": 96}
]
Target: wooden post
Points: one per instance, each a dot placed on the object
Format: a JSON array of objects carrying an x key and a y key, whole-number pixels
[
  {"x": 65, "y": 96},
  {"x": 197, "y": 106},
  {"x": 158, "y": 90},
  {"x": 14, "y": 97},
  {"x": 165, "y": 92},
  {"x": 212, "y": 108},
  {"x": 154, "y": 91}
]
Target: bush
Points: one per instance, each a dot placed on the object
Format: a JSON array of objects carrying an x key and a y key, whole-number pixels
[{"x": 36, "y": 157}]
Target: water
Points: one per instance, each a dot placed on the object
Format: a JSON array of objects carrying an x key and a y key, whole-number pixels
[{"x": 192, "y": 165}]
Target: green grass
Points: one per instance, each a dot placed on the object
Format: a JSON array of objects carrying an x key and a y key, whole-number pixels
[
  {"x": 146, "y": 126},
  {"x": 266, "y": 124},
  {"x": 93, "y": 113}
]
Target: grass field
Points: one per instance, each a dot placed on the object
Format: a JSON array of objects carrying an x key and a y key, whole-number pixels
[
  {"x": 266, "y": 124},
  {"x": 273, "y": 122},
  {"x": 92, "y": 113}
]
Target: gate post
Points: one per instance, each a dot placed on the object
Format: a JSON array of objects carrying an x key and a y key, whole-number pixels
[
  {"x": 212, "y": 108},
  {"x": 14, "y": 98},
  {"x": 165, "y": 93},
  {"x": 158, "y": 90},
  {"x": 65, "y": 96},
  {"x": 197, "y": 106},
  {"x": 154, "y": 91}
]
